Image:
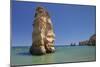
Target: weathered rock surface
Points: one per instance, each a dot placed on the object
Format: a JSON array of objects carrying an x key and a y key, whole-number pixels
[
  {"x": 90, "y": 42},
  {"x": 43, "y": 34}
]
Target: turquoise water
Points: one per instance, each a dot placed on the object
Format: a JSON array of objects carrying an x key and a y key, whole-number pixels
[{"x": 21, "y": 56}]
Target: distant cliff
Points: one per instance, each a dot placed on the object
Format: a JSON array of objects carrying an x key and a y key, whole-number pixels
[{"x": 90, "y": 42}]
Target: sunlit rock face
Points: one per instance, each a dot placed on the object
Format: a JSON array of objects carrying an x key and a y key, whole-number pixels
[{"x": 43, "y": 34}]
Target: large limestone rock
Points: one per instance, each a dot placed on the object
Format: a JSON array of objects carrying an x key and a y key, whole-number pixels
[{"x": 43, "y": 34}]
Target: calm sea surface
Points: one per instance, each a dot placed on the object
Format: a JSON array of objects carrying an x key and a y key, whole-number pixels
[{"x": 21, "y": 56}]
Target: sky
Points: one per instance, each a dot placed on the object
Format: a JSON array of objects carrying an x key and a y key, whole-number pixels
[{"x": 72, "y": 23}]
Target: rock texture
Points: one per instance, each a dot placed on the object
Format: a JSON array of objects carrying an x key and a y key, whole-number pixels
[
  {"x": 90, "y": 42},
  {"x": 43, "y": 34}
]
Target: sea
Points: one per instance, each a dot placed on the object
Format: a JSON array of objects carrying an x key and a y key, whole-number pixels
[{"x": 63, "y": 54}]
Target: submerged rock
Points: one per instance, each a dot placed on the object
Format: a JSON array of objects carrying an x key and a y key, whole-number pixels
[{"x": 43, "y": 34}]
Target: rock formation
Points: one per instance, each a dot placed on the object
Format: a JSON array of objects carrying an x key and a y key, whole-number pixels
[
  {"x": 83, "y": 43},
  {"x": 43, "y": 34},
  {"x": 72, "y": 44},
  {"x": 90, "y": 42}
]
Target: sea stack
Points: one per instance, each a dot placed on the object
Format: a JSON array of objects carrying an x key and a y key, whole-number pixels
[{"x": 43, "y": 36}]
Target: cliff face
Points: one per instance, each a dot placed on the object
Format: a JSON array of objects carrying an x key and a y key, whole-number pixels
[
  {"x": 90, "y": 42},
  {"x": 43, "y": 35}
]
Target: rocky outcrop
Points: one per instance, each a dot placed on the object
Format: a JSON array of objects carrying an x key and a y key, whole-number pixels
[
  {"x": 43, "y": 34},
  {"x": 90, "y": 42},
  {"x": 83, "y": 43},
  {"x": 72, "y": 44}
]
